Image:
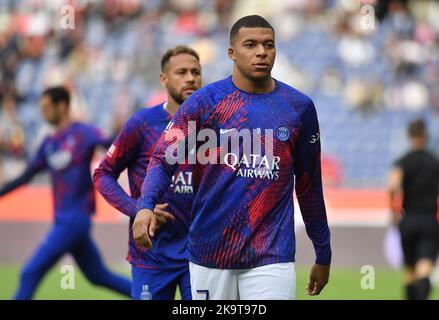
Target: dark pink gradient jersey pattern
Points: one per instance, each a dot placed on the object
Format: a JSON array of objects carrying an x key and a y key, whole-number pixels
[
  {"x": 67, "y": 155},
  {"x": 243, "y": 217},
  {"x": 132, "y": 150}
]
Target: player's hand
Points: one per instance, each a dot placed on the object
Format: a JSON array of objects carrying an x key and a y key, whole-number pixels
[
  {"x": 162, "y": 216},
  {"x": 396, "y": 218},
  {"x": 318, "y": 279},
  {"x": 144, "y": 227}
]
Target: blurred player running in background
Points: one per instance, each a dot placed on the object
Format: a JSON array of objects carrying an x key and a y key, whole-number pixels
[
  {"x": 241, "y": 240},
  {"x": 67, "y": 154},
  {"x": 415, "y": 179},
  {"x": 165, "y": 265}
]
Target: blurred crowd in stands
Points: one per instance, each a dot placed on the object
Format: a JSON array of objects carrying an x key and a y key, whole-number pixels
[{"x": 368, "y": 65}]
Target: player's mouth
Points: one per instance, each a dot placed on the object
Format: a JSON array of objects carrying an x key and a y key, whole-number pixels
[
  {"x": 189, "y": 90},
  {"x": 261, "y": 66}
]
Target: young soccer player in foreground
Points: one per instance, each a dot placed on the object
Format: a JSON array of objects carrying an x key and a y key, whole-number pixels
[{"x": 241, "y": 240}]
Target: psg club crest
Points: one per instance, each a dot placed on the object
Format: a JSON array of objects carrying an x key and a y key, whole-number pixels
[{"x": 283, "y": 134}]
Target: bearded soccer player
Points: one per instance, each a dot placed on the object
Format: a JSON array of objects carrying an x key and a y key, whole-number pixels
[
  {"x": 164, "y": 266},
  {"x": 66, "y": 154},
  {"x": 241, "y": 240}
]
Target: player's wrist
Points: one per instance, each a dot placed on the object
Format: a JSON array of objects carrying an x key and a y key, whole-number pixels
[
  {"x": 145, "y": 211},
  {"x": 144, "y": 206},
  {"x": 323, "y": 261}
]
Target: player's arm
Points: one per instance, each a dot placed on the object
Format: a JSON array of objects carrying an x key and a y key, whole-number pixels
[
  {"x": 160, "y": 170},
  {"x": 120, "y": 154},
  {"x": 395, "y": 190},
  {"x": 309, "y": 193},
  {"x": 95, "y": 138},
  {"x": 37, "y": 164},
  {"x": 100, "y": 139}
]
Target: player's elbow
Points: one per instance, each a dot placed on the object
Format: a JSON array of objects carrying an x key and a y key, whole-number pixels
[{"x": 99, "y": 175}]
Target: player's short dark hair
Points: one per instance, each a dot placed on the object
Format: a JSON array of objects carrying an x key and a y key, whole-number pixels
[
  {"x": 57, "y": 94},
  {"x": 176, "y": 51},
  {"x": 417, "y": 129},
  {"x": 252, "y": 21}
]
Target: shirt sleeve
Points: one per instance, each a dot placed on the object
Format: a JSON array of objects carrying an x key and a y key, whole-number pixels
[
  {"x": 37, "y": 164},
  {"x": 308, "y": 187},
  {"x": 120, "y": 155},
  {"x": 186, "y": 121},
  {"x": 100, "y": 139},
  {"x": 400, "y": 163}
]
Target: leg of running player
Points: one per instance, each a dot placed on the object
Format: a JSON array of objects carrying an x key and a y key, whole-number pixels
[
  {"x": 409, "y": 240},
  {"x": 409, "y": 281},
  {"x": 89, "y": 260},
  {"x": 423, "y": 270},
  {"x": 426, "y": 250},
  {"x": 57, "y": 242}
]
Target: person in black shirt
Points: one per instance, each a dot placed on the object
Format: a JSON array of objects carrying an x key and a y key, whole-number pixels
[{"x": 414, "y": 179}]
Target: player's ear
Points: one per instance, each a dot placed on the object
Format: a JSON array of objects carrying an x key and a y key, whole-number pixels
[
  {"x": 163, "y": 79},
  {"x": 231, "y": 53}
]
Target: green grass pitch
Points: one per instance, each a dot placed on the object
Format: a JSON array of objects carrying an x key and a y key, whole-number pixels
[{"x": 344, "y": 284}]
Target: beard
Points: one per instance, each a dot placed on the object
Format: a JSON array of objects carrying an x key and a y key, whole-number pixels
[
  {"x": 54, "y": 120},
  {"x": 177, "y": 96}
]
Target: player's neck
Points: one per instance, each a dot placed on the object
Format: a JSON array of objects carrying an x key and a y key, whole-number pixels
[
  {"x": 418, "y": 144},
  {"x": 251, "y": 86},
  {"x": 171, "y": 106},
  {"x": 62, "y": 124}
]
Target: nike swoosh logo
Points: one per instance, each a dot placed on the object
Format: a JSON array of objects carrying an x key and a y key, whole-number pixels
[{"x": 222, "y": 131}]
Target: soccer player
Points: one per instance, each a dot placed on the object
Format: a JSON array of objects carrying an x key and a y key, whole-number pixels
[
  {"x": 164, "y": 266},
  {"x": 415, "y": 179},
  {"x": 241, "y": 240},
  {"x": 66, "y": 154}
]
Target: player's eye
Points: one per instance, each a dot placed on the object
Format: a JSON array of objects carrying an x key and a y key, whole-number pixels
[
  {"x": 248, "y": 45},
  {"x": 269, "y": 45}
]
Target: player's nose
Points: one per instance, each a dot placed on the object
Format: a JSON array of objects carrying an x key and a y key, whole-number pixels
[
  {"x": 190, "y": 77},
  {"x": 261, "y": 51}
]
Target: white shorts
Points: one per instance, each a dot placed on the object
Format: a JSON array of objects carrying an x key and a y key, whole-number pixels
[{"x": 269, "y": 282}]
